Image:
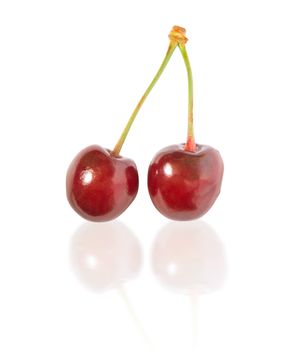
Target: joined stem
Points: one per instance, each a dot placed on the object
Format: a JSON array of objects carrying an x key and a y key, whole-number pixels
[
  {"x": 177, "y": 37},
  {"x": 190, "y": 143},
  {"x": 172, "y": 46}
]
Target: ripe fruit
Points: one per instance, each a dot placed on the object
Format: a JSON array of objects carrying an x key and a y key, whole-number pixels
[
  {"x": 100, "y": 186},
  {"x": 183, "y": 185},
  {"x": 184, "y": 180}
]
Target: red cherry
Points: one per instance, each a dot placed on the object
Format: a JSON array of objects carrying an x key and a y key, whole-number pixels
[
  {"x": 184, "y": 180},
  {"x": 183, "y": 185},
  {"x": 100, "y": 185}
]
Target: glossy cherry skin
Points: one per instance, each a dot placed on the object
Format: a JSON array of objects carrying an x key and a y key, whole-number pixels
[
  {"x": 99, "y": 185},
  {"x": 183, "y": 185}
]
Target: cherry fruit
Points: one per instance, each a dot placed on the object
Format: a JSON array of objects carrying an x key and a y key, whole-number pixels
[
  {"x": 185, "y": 180},
  {"x": 99, "y": 185},
  {"x": 183, "y": 185}
]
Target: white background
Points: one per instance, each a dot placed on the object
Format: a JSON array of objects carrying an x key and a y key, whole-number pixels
[{"x": 71, "y": 73}]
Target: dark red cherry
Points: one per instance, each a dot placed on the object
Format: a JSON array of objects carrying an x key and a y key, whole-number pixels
[
  {"x": 99, "y": 185},
  {"x": 183, "y": 185}
]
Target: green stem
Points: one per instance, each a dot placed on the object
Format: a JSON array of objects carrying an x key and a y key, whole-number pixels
[
  {"x": 190, "y": 143},
  {"x": 123, "y": 136}
]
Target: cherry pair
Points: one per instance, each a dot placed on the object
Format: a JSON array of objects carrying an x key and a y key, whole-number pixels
[{"x": 184, "y": 180}]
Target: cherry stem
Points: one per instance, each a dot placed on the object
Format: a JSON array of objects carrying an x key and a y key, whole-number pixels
[
  {"x": 171, "y": 49},
  {"x": 177, "y": 37},
  {"x": 190, "y": 143}
]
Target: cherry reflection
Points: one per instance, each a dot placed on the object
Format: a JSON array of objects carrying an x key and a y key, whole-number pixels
[
  {"x": 105, "y": 255},
  {"x": 189, "y": 257}
]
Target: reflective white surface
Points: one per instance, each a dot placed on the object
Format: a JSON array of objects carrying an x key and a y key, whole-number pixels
[
  {"x": 105, "y": 255},
  {"x": 70, "y": 75},
  {"x": 188, "y": 257}
]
